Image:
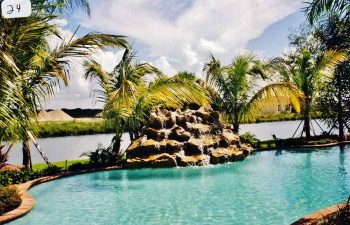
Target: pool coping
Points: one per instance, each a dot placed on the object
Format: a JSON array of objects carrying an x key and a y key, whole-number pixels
[
  {"x": 28, "y": 200},
  {"x": 313, "y": 218},
  {"x": 304, "y": 146}
]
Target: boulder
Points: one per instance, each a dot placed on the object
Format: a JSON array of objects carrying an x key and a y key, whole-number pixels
[
  {"x": 193, "y": 160},
  {"x": 247, "y": 149},
  {"x": 185, "y": 138},
  {"x": 179, "y": 134},
  {"x": 157, "y": 121},
  {"x": 163, "y": 160},
  {"x": 173, "y": 146},
  {"x": 143, "y": 147},
  {"x": 193, "y": 147},
  {"x": 156, "y": 134},
  {"x": 222, "y": 155},
  {"x": 198, "y": 129},
  {"x": 228, "y": 138}
]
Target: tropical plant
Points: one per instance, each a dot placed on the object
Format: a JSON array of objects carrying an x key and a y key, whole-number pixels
[
  {"x": 101, "y": 157},
  {"x": 307, "y": 71},
  {"x": 9, "y": 199},
  {"x": 240, "y": 96},
  {"x": 334, "y": 98},
  {"x": 133, "y": 89},
  {"x": 316, "y": 8},
  {"x": 31, "y": 69}
]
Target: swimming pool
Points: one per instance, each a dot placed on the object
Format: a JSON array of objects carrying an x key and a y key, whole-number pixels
[{"x": 274, "y": 187}]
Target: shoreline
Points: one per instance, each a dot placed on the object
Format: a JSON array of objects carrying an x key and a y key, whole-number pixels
[{"x": 97, "y": 126}]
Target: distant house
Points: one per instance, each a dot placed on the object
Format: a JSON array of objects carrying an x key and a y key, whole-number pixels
[{"x": 284, "y": 106}]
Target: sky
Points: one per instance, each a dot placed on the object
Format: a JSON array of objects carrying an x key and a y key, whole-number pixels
[{"x": 178, "y": 35}]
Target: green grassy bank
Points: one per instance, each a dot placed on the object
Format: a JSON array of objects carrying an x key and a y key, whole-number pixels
[
  {"x": 62, "y": 164},
  {"x": 283, "y": 116},
  {"x": 70, "y": 128}
]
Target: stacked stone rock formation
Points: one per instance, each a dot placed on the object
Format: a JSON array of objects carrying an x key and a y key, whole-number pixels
[{"x": 189, "y": 138}]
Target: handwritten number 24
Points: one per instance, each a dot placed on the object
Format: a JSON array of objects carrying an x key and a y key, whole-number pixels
[{"x": 18, "y": 7}]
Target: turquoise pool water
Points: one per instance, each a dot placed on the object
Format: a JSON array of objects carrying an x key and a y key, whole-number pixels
[{"x": 275, "y": 187}]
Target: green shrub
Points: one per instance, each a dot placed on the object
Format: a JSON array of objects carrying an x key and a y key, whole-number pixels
[
  {"x": 103, "y": 157},
  {"x": 249, "y": 138},
  {"x": 16, "y": 177},
  {"x": 78, "y": 166},
  {"x": 52, "y": 170},
  {"x": 9, "y": 199}
]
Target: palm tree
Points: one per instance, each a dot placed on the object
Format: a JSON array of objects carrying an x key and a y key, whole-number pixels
[
  {"x": 36, "y": 69},
  {"x": 306, "y": 72},
  {"x": 239, "y": 95},
  {"x": 133, "y": 89},
  {"x": 316, "y": 8}
]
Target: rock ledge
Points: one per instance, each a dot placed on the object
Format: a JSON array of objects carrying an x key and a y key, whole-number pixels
[{"x": 189, "y": 138}]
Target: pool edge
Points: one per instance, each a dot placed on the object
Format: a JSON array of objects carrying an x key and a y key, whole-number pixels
[
  {"x": 28, "y": 201},
  {"x": 313, "y": 218}
]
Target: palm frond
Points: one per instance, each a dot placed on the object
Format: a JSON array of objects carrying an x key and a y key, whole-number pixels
[{"x": 271, "y": 96}]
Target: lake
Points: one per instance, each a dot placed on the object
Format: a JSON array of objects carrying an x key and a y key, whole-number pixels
[{"x": 71, "y": 147}]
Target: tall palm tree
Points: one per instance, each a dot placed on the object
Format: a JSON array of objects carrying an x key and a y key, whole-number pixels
[
  {"x": 306, "y": 72},
  {"x": 36, "y": 69},
  {"x": 240, "y": 95},
  {"x": 316, "y": 8},
  {"x": 133, "y": 89}
]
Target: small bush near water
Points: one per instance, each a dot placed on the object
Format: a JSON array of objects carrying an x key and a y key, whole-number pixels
[{"x": 9, "y": 199}]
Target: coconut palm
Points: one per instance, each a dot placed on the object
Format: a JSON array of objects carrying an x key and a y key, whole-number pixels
[
  {"x": 316, "y": 8},
  {"x": 306, "y": 72},
  {"x": 133, "y": 89},
  {"x": 240, "y": 95},
  {"x": 36, "y": 69}
]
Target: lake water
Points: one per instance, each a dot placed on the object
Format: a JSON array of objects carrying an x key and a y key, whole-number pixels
[
  {"x": 71, "y": 147},
  {"x": 273, "y": 187}
]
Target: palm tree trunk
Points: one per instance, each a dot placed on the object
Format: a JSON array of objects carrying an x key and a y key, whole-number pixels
[
  {"x": 307, "y": 119},
  {"x": 236, "y": 124},
  {"x": 116, "y": 144},
  {"x": 131, "y": 135},
  {"x": 307, "y": 127},
  {"x": 340, "y": 116},
  {"x": 27, "y": 159}
]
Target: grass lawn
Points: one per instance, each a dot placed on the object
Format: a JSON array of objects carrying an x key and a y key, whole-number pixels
[{"x": 41, "y": 166}]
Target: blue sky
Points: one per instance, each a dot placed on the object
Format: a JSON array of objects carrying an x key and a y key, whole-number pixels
[{"x": 176, "y": 35}]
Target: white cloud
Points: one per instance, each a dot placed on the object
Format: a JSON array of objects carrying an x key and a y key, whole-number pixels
[
  {"x": 211, "y": 46},
  {"x": 163, "y": 64},
  {"x": 185, "y": 38},
  {"x": 108, "y": 59},
  {"x": 179, "y": 34}
]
